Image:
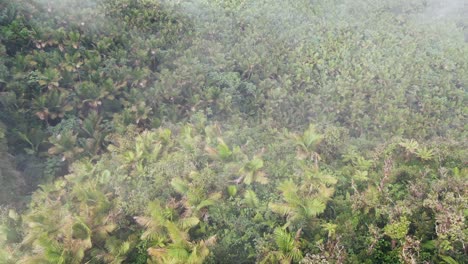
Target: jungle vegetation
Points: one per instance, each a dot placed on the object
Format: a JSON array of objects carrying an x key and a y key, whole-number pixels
[{"x": 233, "y": 131}]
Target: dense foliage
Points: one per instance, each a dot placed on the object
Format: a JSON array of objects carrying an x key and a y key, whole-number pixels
[{"x": 233, "y": 131}]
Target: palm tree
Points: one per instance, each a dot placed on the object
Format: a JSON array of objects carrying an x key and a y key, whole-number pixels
[
  {"x": 297, "y": 208},
  {"x": 114, "y": 251},
  {"x": 307, "y": 144},
  {"x": 319, "y": 184},
  {"x": 222, "y": 151},
  {"x": 252, "y": 171},
  {"x": 168, "y": 233},
  {"x": 288, "y": 248},
  {"x": 66, "y": 220},
  {"x": 194, "y": 199}
]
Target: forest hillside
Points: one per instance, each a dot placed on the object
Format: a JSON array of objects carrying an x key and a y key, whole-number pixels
[{"x": 233, "y": 131}]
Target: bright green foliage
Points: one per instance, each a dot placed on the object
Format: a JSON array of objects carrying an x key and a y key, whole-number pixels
[
  {"x": 59, "y": 234},
  {"x": 425, "y": 154},
  {"x": 297, "y": 208},
  {"x": 330, "y": 228},
  {"x": 305, "y": 202},
  {"x": 410, "y": 146},
  {"x": 168, "y": 232},
  {"x": 194, "y": 199},
  {"x": 397, "y": 230},
  {"x": 233, "y": 131},
  {"x": 307, "y": 144},
  {"x": 232, "y": 190},
  {"x": 251, "y": 172},
  {"x": 223, "y": 150},
  {"x": 251, "y": 199},
  {"x": 66, "y": 145},
  {"x": 288, "y": 248}
]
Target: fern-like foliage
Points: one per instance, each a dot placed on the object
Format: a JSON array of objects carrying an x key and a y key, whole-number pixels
[
  {"x": 251, "y": 199},
  {"x": 307, "y": 143},
  {"x": 425, "y": 153},
  {"x": 70, "y": 222},
  {"x": 288, "y": 248},
  {"x": 297, "y": 206},
  {"x": 252, "y": 171},
  {"x": 169, "y": 233},
  {"x": 194, "y": 198},
  {"x": 410, "y": 145}
]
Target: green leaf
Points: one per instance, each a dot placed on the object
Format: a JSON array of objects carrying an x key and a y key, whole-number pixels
[
  {"x": 448, "y": 259},
  {"x": 177, "y": 236},
  {"x": 232, "y": 190},
  {"x": 105, "y": 177},
  {"x": 398, "y": 230},
  {"x": 255, "y": 164},
  {"x": 295, "y": 254},
  {"x": 310, "y": 138},
  {"x": 410, "y": 145},
  {"x": 314, "y": 207},
  {"x": 282, "y": 209},
  {"x": 180, "y": 186},
  {"x": 224, "y": 152},
  {"x": 12, "y": 214},
  {"x": 251, "y": 199},
  {"x": 205, "y": 203},
  {"x": 425, "y": 153},
  {"x": 361, "y": 175},
  {"x": 177, "y": 254},
  {"x": 189, "y": 222},
  {"x": 284, "y": 240},
  {"x": 81, "y": 231}
]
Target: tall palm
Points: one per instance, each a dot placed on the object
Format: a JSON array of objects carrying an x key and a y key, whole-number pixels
[
  {"x": 288, "y": 248},
  {"x": 307, "y": 143},
  {"x": 169, "y": 234},
  {"x": 67, "y": 220},
  {"x": 297, "y": 207},
  {"x": 194, "y": 199},
  {"x": 252, "y": 171}
]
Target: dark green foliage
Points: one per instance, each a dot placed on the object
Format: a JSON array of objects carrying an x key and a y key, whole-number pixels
[
  {"x": 383, "y": 253},
  {"x": 233, "y": 131}
]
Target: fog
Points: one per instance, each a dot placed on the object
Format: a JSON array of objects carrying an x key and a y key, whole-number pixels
[
  {"x": 282, "y": 18},
  {"x": 233, "y": 131},
  {"x": 257, "y": 38}
]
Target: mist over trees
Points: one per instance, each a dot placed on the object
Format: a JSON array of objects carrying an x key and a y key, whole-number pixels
[{"x": 233, "y": 131}]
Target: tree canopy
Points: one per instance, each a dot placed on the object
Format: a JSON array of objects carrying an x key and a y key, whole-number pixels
[{"x": 233, "y": 131}]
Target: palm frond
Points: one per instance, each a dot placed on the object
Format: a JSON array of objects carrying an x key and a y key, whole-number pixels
[
  {"x": 425, "y": 153},
  {"x": 180, "y": 186},
  {"x": 143, "y": 220},
  {"x": 314, "y": 207},
  {"x": 251, "y": 199},
  {"x": 310, "y": 138},
  {"x": 177, "y": 254},
  {"x": 410, "y": 145},
  {"x": 156, "y": 252},
  {"x": 177, "y": 236},
  {"x": 205, "y": 203},
  {"x": 261, "y": 178},
  {"x": 223, "y": 150},
  {"x": 81, "y": 231},
  {"x": 284, "y": 240},
  {"x": 295, "y": 254},
  {"x": 187, "y": 223},
  {"x": 282, "y": 209}
]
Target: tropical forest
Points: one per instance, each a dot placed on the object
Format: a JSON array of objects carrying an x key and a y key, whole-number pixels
[{"x": 233, "y": 131}]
